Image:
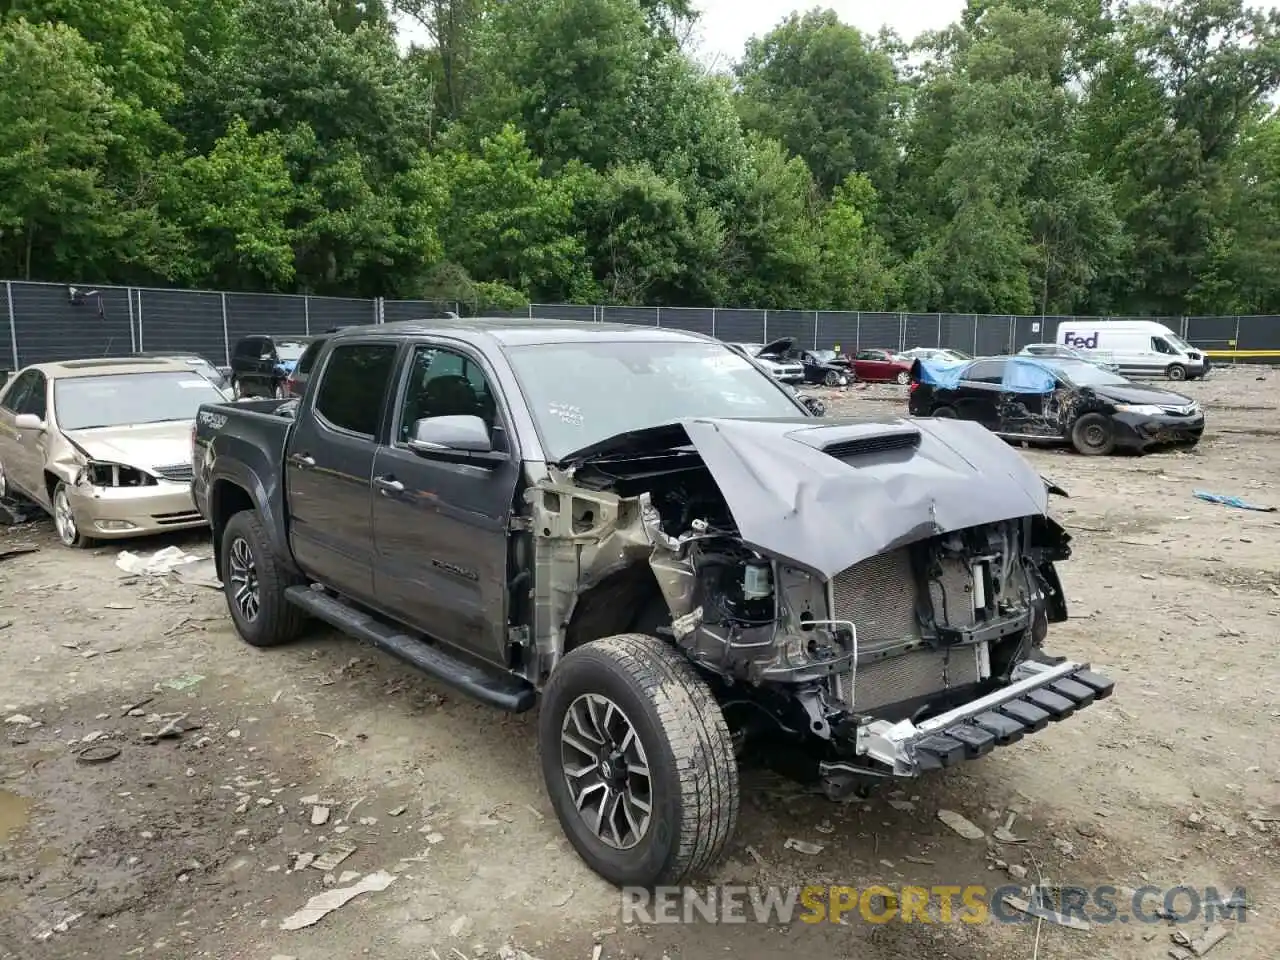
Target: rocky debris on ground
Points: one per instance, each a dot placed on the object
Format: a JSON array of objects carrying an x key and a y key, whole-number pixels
[
  {"x": 322, "y": 904},
  {"x": 1185, "y": 948},
  {"x": 965, "y": 828}
]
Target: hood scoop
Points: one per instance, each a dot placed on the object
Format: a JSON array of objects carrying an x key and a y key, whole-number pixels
[{"x": 884, "y": 441}]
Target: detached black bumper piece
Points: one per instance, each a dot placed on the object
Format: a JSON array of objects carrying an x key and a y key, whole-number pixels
[{"x": 1043, "y": 694}]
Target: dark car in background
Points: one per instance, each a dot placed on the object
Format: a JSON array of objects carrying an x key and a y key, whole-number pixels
[
  {"x": 261, "y": 364},
  {"x": 217, "y": 375},
  {"x": 1052, "y": 400},
  {"x": 825, "y": 367}
]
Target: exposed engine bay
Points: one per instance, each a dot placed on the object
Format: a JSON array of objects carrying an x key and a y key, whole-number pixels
[{"x": 829, "y": 659}]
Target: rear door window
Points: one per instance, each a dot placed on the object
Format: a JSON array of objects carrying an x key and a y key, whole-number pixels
[
  {"x": 308, "y": 358},
  {"x": 354, "y": 385},
  {"x": 985, "y": 371},
  {"x": 18, "y": 392}
]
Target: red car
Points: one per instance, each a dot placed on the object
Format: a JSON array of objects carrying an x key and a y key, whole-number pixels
[{"x": 881, "y": 365}]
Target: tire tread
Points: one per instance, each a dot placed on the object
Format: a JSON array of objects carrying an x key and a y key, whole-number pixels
[
  {"x": 699, "y": 740},
  {"x": 278, "y": 621}
]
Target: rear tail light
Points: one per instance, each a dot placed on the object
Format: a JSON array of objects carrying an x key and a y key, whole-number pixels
[{"x": 911, "y": 387}]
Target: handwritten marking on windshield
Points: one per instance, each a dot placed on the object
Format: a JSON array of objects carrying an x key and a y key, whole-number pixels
[{"x": 567, "y": 413}]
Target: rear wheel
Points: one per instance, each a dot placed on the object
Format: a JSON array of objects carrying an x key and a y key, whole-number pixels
[
  {"x": 1176, "y": 371},
  {"x": 1093, "y": 435},
  {"x": 903, "y": 377},
  {"x": 944, "y": 413},
  {"x": 254, "y": 583},
  {"x": 638, "y": 761}
]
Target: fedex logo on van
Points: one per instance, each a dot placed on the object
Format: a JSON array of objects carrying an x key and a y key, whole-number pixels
[{"x": 1081, "y": 341}]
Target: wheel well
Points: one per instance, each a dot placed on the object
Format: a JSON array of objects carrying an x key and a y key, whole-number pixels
[
  {"x": 627, "y": 601},
  {"x": 226, "y": 499}
]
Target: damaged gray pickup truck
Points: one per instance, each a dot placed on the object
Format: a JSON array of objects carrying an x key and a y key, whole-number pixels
[{"x": 642, "y": 529}]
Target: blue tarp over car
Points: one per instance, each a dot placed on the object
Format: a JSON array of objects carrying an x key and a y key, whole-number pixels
[{"x": 1021, "y": 374}]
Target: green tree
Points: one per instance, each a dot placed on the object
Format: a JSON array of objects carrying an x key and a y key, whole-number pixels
[
  {"x": 825, "y": 92},
  {"x": 56, "y": 118}
]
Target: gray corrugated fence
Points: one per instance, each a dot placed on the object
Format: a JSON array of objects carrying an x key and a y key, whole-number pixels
[{"x": 49, "y": 321}]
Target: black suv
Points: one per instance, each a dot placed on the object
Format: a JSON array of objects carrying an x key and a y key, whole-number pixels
[{"x": 261, "y": 364}]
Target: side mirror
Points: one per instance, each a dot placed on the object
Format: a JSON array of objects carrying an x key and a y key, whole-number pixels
[
  {"x": 814, "y": 406},
  {"x": 28, "y": 421},
  {"x": 454, "y": 439}
]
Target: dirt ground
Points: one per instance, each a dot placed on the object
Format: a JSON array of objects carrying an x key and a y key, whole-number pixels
[{"x": 184, "y": 847}]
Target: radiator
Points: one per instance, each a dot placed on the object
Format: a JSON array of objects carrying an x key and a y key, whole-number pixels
[{"x": 880, "y": 596}]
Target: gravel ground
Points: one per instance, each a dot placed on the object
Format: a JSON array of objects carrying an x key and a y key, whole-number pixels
[{"x": 185, "y": 847}]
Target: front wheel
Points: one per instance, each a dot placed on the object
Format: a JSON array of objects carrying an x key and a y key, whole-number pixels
[
  {"x": 278, "y": 393},
  {"x": 254, "y": 583},
  {"x": 237, "y": 390},
  {"x": 638, "y": 761},
  {"x": 903, "y": 377},
  {"x": 65, "y": 521},
  {"x": 1093, "y": 435},
  {"x": 831, "y": 379},
  {"x": 1176, "y": 371},
  {"x": 944, "y": 413}
]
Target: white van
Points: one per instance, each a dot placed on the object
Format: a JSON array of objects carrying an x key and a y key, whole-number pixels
[{"x": 1142, "y": 347}]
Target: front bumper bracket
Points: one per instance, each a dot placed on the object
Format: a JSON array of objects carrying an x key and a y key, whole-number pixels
[{"x": 1039, "y": 694}]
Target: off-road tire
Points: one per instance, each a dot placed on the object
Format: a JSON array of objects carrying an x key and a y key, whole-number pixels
[
  {"x": 1093, "y": 435},
  {"x": 693, "y": 771},
  {"x": 277, "y": 620},
  {"x": 943, "y": 412},
  {"x": 903, "y": 377},
  {"x": 1176, "y": 372}
]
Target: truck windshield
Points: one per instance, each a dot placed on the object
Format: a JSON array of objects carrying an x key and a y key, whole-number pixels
[
  {"x": 125, "y": 399},
  {"x": 582, "y": 393}
]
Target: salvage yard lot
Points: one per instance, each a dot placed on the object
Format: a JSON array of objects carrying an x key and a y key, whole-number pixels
[{"x": 183, "y": 847}]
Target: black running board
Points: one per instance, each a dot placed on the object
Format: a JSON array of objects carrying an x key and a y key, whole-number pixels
[{"x": 512, "y": 694}]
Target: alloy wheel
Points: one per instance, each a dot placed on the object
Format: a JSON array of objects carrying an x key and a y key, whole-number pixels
[
  {"x": 606, "y": 770},
  {"x": 64, "y": 520},
  {"x": 243, "y": 578}
]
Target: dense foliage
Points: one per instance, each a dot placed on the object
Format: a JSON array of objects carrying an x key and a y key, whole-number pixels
[{"x": 1039, "y": 156}]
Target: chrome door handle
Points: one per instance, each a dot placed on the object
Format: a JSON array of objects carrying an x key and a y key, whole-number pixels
[
  {"x": 302, "y": 460},
  {"x": 388, "y": 484}
]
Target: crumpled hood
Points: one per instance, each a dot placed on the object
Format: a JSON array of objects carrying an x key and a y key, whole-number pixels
[
  {"x": 829, "y": 510},
  {"x": 145, "y": 446}
]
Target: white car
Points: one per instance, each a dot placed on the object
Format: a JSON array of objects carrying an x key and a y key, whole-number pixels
[
  {"x": 1056, "y": 351},
  {"x": 934, "y": 353},
  {"x": 770, "y": 356}
]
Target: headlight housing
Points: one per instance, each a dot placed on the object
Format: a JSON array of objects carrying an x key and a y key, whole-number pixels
[
  {"x": 100, "y": 473},
  {"x": 1142, "y": 409}
]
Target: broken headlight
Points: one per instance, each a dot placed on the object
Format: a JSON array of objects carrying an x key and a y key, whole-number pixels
[{"x": 96, "y": 473}]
